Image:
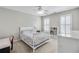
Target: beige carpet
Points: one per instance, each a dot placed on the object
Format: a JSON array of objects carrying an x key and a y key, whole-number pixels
[{"x": 21, "y": 47}]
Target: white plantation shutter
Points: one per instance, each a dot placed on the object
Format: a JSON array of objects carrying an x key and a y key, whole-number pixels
[
  {"x": 46, "y": 24},
  {"x": 65, "y": 24}
]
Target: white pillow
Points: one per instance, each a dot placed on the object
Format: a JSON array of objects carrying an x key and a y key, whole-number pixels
[{"x": 26, "y": 28}]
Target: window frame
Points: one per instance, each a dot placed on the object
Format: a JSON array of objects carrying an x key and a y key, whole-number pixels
[
  {"x": 46, "y": 25},
  {"x": 66, "y": 24}
]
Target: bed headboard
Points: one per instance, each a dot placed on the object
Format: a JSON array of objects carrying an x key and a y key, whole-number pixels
[
  {"x": 21, "y": 29},
  {"x": 26, "y": 28}
]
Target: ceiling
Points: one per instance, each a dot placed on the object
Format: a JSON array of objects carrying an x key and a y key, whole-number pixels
[{"x": 33, "y": 9}]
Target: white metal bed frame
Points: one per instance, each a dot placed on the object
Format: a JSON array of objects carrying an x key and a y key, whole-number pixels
[{"x": 33, "y": 47}]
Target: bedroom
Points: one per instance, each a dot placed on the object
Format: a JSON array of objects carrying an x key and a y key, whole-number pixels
[{"x": 13, "y": 19}]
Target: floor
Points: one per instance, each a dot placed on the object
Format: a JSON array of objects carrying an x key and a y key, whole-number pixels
[{"x": 21, "y": 47}]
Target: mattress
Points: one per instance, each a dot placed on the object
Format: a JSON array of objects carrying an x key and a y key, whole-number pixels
[{"x": 34, "y": 38}]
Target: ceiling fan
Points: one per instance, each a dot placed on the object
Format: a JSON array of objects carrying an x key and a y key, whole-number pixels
[{"x": 41, "y": 10}]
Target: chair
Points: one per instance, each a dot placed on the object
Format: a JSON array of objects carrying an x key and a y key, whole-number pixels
[{"x": 11, "y": 41}]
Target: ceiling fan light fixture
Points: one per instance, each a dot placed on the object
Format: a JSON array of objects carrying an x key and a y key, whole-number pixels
[{"x": 41, "y": 12}]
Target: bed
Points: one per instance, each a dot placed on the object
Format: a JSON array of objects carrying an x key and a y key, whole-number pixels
[{"x": 32, "y": 38}]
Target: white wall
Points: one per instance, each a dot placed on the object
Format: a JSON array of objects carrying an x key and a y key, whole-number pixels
[
  {"x": 54, "y": 18},
  {"x": 11, "y": 20}
]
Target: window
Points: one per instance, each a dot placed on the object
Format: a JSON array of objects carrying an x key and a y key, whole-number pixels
[
  {"x": 65, "y": 24},
  {"x": 46, "y": 24}
]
